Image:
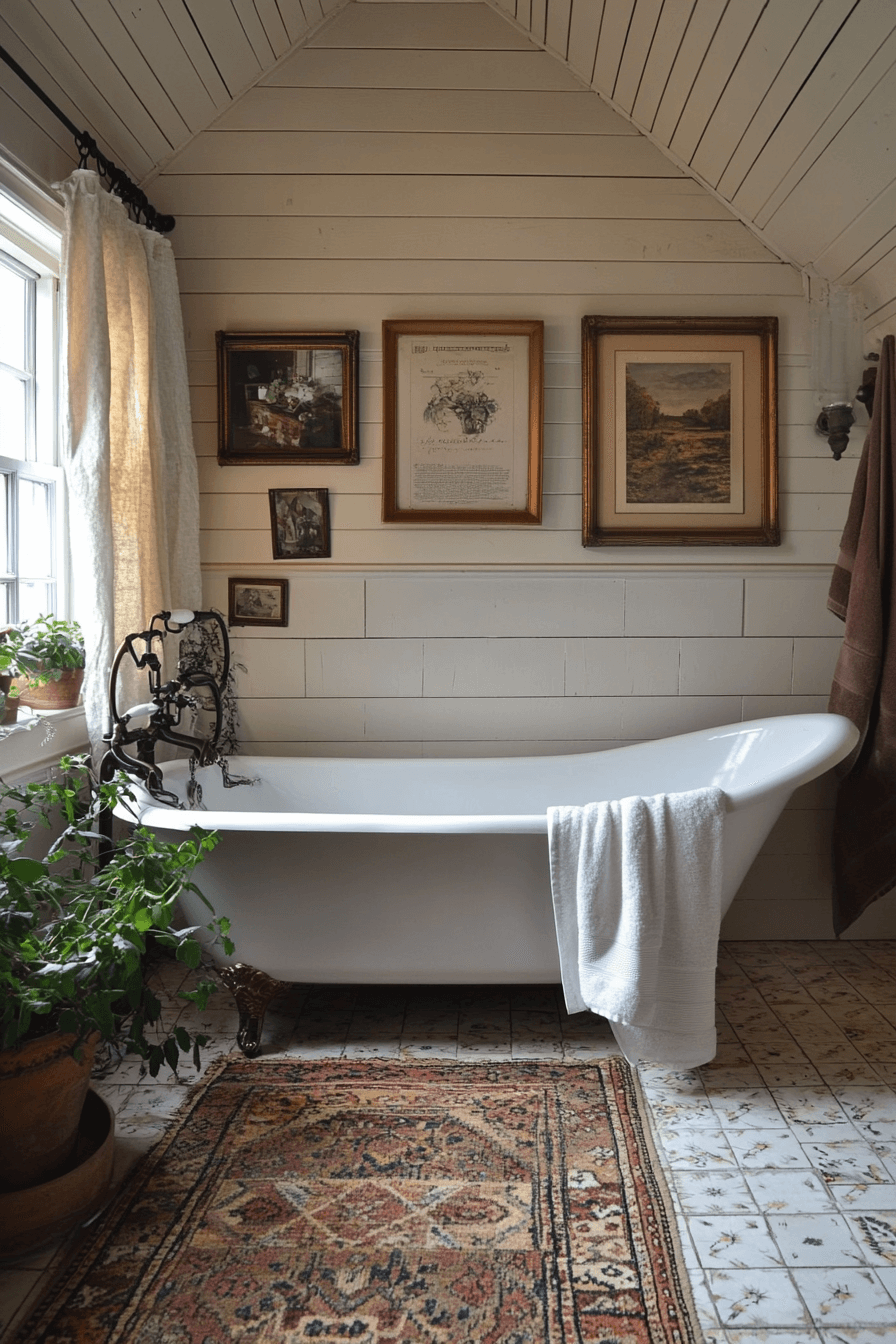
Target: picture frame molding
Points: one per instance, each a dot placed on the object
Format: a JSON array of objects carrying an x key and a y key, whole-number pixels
[
  {"x": 321, "y": 552},
  {"x": 758, "y": 335},
  {"x": 347, "y": 342},
  {"x": 234, "y": 618},
  {"x": 531, "y": 512}
]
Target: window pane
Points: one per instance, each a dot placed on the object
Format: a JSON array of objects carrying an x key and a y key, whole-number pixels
[
  {"x": 12, "y": 317},
  {"x": 35, "y": 599},
  {"x": 5, "y": 605},
  {"x": 12, "y": 416},
  {"x": 6, "y": 558},
  {"x": 35, "y": 529}
]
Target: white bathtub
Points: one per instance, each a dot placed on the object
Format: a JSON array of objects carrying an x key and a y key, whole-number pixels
[{"x": 436, "y": 870}]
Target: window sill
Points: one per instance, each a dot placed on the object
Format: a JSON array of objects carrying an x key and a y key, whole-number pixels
[{"x": 53, "y": 733}]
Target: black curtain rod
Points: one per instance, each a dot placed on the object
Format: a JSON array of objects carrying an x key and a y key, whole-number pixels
[{"x": 119, "y": 182}]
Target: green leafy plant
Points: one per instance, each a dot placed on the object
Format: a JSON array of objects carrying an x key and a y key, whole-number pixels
[
  {"x": 16, "y": 660},
  {"x": 48, "y": 646},
  {"x": 73, "y": 934}
]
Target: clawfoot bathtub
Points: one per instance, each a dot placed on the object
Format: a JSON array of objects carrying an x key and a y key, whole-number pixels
[{"x": 436, "y": 870}]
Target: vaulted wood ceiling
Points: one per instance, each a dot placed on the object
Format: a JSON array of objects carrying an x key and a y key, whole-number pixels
[{"x": 784, "y": 109}]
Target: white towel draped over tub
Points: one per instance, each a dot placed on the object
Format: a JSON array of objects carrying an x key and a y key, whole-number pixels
[{"x": 637, "y": 887}]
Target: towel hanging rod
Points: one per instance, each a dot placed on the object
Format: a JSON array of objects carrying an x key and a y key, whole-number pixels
[{"x": 119, "y": 182}]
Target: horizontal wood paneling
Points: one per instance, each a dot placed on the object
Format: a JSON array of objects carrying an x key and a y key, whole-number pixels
[
  {"x": 562, "y": 314},
  {"x": 784, "y": 109},
  {"x": 509, "y": 112},
  {"x": 315, "y": 237},
  {"x": 248, "y": 195},
  {"x": 320, "y": 68},
  {"x": 486, "y": 278},
  {"x": 439, "y": 27},
  {"x": 289, "y": 257},
  {"x": 622, "y": 155}
]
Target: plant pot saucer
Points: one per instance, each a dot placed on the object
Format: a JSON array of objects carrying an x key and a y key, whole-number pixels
[{"x": 40, "y": 1214}]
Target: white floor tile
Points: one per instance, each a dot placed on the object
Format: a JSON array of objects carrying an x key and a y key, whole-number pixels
[
  {"x": 714, "y": 1192},
  {"x": 732, "y": 1241},
  {"x": 844, "y": 1296},
  {"x": 820, "y": 1239},
  {"x": 778, "y": 1191},
  {"x": 751, "y": 1297}
]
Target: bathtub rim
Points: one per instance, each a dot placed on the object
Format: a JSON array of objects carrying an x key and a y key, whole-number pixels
[{"x": 839, "y": 738}]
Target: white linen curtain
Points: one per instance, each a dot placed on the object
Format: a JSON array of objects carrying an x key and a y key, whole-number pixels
[{"x": 128, "y": 448}]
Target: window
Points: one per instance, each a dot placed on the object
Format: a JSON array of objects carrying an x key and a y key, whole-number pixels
[{"x": 31, "y": 491}]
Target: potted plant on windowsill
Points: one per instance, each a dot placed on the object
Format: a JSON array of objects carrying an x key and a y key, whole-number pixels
[
  {"x": 15, "y": 663},
  {"x": 50, "y": 652},
  {"x": 72, "y": 942}
]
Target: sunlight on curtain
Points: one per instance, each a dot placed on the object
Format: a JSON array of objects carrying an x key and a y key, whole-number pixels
[{"x": 128, "y": 449}]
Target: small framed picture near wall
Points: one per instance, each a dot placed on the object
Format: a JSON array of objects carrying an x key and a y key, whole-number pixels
[
  {"x": 287, "y": 397},
  {"x": 300, "y": 523},
  {"x": 258, "y": 602},
  {"x": 462, "y": 421},
  {"x": 680, "y": 422}
]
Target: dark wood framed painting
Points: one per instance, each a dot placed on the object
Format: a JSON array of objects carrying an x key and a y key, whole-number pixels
[
  {"x": 258, "y": 602},
  {"x": 680, "y": 422},
  {"x": 288, "y": 397},
  {"x": 300, "y": 523},
  {"x": 462, "y": 421}
]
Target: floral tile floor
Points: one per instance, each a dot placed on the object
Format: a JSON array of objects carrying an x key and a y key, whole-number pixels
[{"x": 780, "y": 1154}]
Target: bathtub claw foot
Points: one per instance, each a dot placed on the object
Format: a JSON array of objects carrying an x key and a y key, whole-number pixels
[{"x": 253, "y": 991}]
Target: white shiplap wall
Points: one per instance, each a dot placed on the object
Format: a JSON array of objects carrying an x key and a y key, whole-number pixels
[
  {"x": 406, "y": 164},
  {"x": 783, "y": 108}
]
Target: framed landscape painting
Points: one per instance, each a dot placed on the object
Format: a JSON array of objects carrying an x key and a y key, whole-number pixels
[
  {"x": 287, "y": 397},
  {"x": 680, "y": 431}
]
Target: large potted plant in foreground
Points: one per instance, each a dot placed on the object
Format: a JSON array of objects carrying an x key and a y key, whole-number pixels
[{"x": 73, "y": 936}]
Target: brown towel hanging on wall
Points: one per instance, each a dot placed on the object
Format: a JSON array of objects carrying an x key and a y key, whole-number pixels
[{"x": 863, "y": 595}]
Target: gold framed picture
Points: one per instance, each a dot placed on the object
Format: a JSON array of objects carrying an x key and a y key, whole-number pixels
[
  {"x": 680, "y": 420},
  {"x": 287, "y": 397},
  {"x": 463, "y": 421},
  {"x": 257, "y": 601}
]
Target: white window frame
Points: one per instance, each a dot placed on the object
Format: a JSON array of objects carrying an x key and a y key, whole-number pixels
[
  {"x": 31, "y": 222},
  {"x": 30, "y": 239}
]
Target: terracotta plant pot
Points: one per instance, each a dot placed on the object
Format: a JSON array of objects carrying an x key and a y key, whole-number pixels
[
  {"x": 34, "y": 1217},
  {"x": 61, "y": 694},
  {"x": 42, "y": 1091},
  {"x": 10, "y": 707}
]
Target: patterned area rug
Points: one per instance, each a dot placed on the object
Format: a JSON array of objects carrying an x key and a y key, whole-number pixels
[{"x": 381, "y": 1202}]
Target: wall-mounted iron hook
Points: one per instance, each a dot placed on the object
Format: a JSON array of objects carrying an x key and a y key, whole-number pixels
[{"x": 865, "y": 393}]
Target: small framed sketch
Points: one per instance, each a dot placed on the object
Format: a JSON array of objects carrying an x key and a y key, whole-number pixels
[
  {"x": 258, "y": 602},
  {"x": 463, "y": 421},
  {"x": 300, "y": 523},
  {"x": 680, "y": 431},
  {"x": 287, "y": 397}
]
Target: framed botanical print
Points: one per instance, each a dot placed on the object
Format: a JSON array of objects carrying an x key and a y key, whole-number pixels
[
  {"x": 680, "y": 431},
  {"x": 462, "y": 421}
]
